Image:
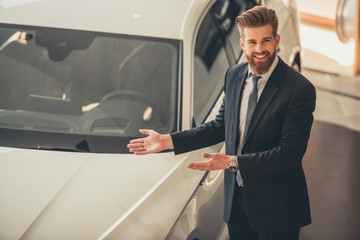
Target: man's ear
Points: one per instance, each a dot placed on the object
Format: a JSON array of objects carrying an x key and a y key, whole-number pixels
[
  {"x": 242, "y": 44},
  {"x": 277, "y": 40}
]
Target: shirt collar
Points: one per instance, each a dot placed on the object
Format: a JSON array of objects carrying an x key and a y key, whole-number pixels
[{"x": 266, "y": 75}]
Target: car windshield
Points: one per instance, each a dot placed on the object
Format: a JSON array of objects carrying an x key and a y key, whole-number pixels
[{"x": 79, "y": 90}]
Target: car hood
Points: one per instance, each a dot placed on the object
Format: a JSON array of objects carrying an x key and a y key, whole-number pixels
[
  {"x": 141, "y": 17},
  {"x": 66, "y": 195}
]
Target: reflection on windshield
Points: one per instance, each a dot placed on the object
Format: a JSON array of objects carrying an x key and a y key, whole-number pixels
[
  {"x": 79, "y": 82},
  {"x": 20, "y": 37}
]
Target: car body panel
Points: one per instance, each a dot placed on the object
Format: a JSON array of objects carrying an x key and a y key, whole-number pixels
[
  {"x": 134, "y": 18},
  {"x": 86, "y": 196}
]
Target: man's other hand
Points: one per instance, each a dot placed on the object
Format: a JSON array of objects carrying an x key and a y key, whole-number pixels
[{"x": 216, "y": 161}]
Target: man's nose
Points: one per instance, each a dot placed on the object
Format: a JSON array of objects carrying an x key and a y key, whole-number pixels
[{"x": 259, "y": 48}]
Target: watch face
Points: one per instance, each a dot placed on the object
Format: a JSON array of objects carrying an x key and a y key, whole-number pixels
[{"x": 233, "y": 168}]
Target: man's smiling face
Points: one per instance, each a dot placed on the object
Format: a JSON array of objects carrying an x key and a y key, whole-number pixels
[{"x": 259, "y": 46}]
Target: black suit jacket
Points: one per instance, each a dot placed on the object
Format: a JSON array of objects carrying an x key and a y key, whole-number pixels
[{"x": 270, "y": 161}]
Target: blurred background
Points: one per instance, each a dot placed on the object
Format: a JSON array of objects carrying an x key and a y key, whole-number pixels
[{"x": 329, "y": 31}]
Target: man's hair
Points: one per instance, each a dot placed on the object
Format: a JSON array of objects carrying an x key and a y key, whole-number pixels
[{"x": 257, "y": 17}]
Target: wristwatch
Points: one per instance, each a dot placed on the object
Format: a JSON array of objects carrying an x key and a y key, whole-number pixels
[{"x": 233, "y": 165}]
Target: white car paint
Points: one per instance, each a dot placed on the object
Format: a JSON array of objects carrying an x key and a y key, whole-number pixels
[
  {"x": 87, "y": 196},
  {"x": 142, "y": 17},
  {"x": 66, "y": 195}
]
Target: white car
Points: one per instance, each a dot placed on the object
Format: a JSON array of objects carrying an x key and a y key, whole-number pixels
[{"x": 78, "y": 79}]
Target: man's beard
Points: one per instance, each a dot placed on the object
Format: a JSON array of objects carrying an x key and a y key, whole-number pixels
[{"x": 261, "y": 68}]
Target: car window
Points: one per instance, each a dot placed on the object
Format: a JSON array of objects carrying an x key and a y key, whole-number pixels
[
  {"x": 88, "y": 83},
  {"x": 210, "y": 65}
]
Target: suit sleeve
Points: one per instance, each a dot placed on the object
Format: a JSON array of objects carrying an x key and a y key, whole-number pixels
[
  {"x": 295, "y": 131},
  {"x": 205, "y": 135}
]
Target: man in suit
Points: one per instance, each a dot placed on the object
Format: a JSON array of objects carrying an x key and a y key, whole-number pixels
[{"x": 265, "y": 120}]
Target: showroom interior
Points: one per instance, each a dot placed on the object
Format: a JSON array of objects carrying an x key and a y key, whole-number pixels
[{"x": 331, "y": 61}]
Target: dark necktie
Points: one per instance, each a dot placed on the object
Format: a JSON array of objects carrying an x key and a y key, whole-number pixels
[{"x": 252, "y": 102}]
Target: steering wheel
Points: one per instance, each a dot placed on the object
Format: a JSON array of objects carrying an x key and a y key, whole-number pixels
[{"x": 134, "y": 96}]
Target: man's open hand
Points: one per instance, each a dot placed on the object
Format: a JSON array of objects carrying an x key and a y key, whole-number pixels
[
  {"x": 216, "y": 161},
  {"x": 154, "y": 143}
]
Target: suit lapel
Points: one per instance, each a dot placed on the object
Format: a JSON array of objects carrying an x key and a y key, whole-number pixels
[{"x": 266, "y": 97}]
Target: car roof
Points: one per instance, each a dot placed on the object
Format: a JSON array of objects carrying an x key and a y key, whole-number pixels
[{"x": 155, "y": 18}]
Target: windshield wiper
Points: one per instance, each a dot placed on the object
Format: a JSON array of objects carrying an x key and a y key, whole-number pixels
[
  {"x": 82, "y": 146},
  {"x": 59, "y": 149}
]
